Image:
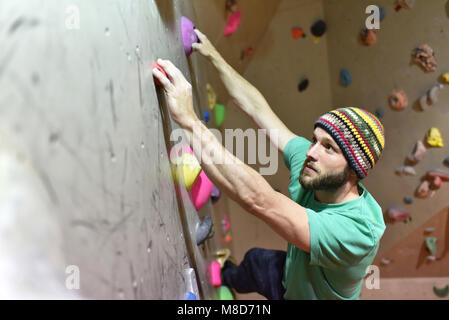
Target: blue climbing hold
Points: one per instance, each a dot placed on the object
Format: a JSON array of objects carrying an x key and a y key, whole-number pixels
[
  {"x": 380, "y": 113},
  {"x": 382, "y": 13},
  {"x": 345, "y": 77},
  {"x": 190, "y": 296},
  {"x": 206, "y": 115},
  {"x": 446, "y": 161},
  {"x": 408, "y": 200}
]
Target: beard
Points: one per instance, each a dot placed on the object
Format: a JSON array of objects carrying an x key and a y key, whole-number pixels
[{"x": 329, "y": 181}]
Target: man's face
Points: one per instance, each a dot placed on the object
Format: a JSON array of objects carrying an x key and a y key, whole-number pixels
[{"x": 325, "y": 167}]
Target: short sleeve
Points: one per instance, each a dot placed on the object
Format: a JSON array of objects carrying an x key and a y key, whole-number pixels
[
  {"x": 295, "y": 151},
  {"x": 337, "y": 240}
]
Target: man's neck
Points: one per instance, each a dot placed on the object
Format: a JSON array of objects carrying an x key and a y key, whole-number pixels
[{"x": 347, "y": 192}]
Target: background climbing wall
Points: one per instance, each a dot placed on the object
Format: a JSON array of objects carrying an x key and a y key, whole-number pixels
[
  {"x": 80, "y": 112},
  {"x": 279, "y": 62}
]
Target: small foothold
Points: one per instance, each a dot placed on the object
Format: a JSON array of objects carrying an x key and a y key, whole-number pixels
[
  {"x": 429, "y": 230},
  {"x": 297, "y": 32},
  {"x": 380, "y": 113},
  {"x": 398, "y": 100},
  {"x": 423, "y": 191},
  {"x": 382, "y": 13},
  {"x": 425, "y": 57},
  {"x": 368, "y": 37},
  {"x": 215, "y": 194},
  {"x": 225, "y": 224},
  {"x": 231, "y": 6},
  {"x": 222, "y": 256},
  {"x": 418, "y": 153},
  {"x": 441, "y": 292},
  {"x": 445, "y": 76},
  {"x": 233, "y": 23},
  {"x": 228, "y": 237},
  {"x": 442, "y": 174},
  {"x": 211, "y": 96},
  {"x": 190, "y": 296},
  {"x": 385, "y": 261},
  {"x": 397, "y": 214},
  {"x": 345, "y": 77},
  {"x": 189, "y": 36},
  {"x": 408, "y": 200},
  {"x": 155, "y": 65},
  {"x": 224, "y": 293},
  {"x": 446, "y": 161},
  {"x": 204, "y": 230},
  {"x": 407, "y": 4},
  {"x": 431, "y": 244},
  {"x": 220, "y": 114},
  {"x": 405, "y": 170},
  {"x": 303, "y": 84},
  {"x": 434, "y": 138},
  {"x": 215, "y": 274},
  {"x": 318, "y": 28},
  {"x": 206, "y": 116}
]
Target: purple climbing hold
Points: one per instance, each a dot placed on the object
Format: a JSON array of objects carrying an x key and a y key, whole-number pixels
[
  {"x": 215, "y": 194},
  {"x": 188, "y": 35}
]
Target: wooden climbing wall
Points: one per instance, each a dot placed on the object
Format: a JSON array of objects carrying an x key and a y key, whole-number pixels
[{"x": 83, "y": 120}]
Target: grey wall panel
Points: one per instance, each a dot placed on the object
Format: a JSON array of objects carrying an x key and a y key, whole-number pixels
[{"x": 83, "y": 103}]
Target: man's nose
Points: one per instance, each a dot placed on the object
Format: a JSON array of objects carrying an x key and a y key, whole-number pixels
[{"x": 312, "y": 153}]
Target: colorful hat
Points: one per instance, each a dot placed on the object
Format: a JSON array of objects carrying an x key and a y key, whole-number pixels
[{"x": 358, "y": 133}]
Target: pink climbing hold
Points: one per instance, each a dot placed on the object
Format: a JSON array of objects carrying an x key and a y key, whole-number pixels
[
  {"x": 233, "y": 23},
  {"x": 418, "y": 153},
  {"x": 397, "y": 214},
  {"x": 442, "y": 174},
  {"x": 188, "y": 35},
  {"x": 201, "y": 190},
  {"x": 423, "y": 191},
  {"x": 215, "y": 273}
]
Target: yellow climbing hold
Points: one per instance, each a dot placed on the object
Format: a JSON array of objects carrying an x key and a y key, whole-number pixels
[
  {"x": 187, "y": 167},
  {"x": 434, "y": 138},
  {"x": 211, "y": 96},
  {"x": 445, "y": 77}
]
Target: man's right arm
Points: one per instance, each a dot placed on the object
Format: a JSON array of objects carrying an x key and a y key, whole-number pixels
[{"x": 246, "y": 96}]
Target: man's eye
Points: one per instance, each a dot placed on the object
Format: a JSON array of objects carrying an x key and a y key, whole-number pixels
[{"x": 329, "y": 147}]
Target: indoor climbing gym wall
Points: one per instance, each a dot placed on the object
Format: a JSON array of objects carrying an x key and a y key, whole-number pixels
[{"x": 89, "y": 199}]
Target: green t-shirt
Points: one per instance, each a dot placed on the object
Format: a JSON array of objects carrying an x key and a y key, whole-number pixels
[{"x": 344, "y": 239}]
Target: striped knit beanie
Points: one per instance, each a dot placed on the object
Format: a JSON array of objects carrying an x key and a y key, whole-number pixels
[{"x": 358, "y": 133}]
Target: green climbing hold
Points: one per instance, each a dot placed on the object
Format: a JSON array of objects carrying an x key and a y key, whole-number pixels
[
  {"x": 431, "y": 243},
  {"x": 220, "y": 114},
  {"x": 224, "y": 293},
  {"x": 441, "y": 292}
]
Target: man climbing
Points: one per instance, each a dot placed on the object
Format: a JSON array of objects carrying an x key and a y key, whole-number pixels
[{"x": 332, "y": 223}]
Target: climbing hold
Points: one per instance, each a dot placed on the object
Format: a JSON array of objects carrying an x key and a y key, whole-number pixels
[
  {"x": 220, "y": 114},
  {"x": 249, "y": 51},
  {"x": 441, "y": 292},
  {"x": 368, "y": 37},
  {"x": 345, "y": 77},
  {"x": 201, "y": 190},
  {"x": 429, "y": 230},
  {"x": 228, "y": 237},
  {"x": 382, "y": 13},
  {"x": 431, "y": 97},
  {"x": 211, "y": 96},
  {"x": 224, "y": 293},
  {"x": 433, "y": 138},
  {"x": 380, "y": 113},
  {"x": 303, "y": 84},
  {"x": 436, "y": 183},
  {"x": 431, "y": 244},
  {"x": 215, "y": 194},
  {"x": 445, "y": 76},
  {"x": 318, "y": 28},
  {"x": 398, "y": 100},
  {"x": 215, "y": 274},
  {"x": 405, "y": 170},
  {"x": 225, "y": 224},
  {"x": 446, "y": 161},
  {"x": 408, "y": 200},
  {"x": 222, "y": 256},
  {"x": 204, "y": 230},
  {"x": 425, "y": 57},
  {"x": 297, "y": 32},
  {"x": 442, "y": 174},
  {"x": 418, "y": 153},
  {"x": 156, "y": 65},
  {"x": 187, "y": 168},
  {"x": 233, "y": 23},
  {"x": 397, "y": 214},
  {"x": 206, "y": 116},
  {"x": 231, "y": 6},
  {"x": 385, "y": 261},
  {"x": 190, "y": 296},
  {"x": 188, "y": 35},
  {"x": 423, "y": 191}
]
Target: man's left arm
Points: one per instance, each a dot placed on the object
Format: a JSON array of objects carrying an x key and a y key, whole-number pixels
[{"x": 239, "y": 181}]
